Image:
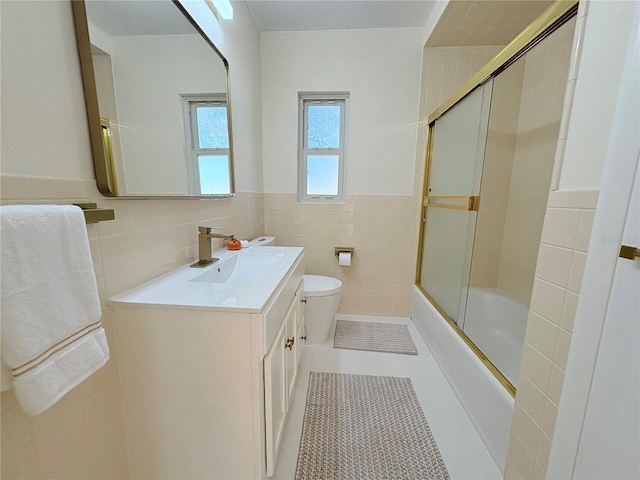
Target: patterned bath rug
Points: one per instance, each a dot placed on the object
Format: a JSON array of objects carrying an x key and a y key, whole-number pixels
[
  {"x": 374, "y": 337},
  {"x": 366, "y": 427}
]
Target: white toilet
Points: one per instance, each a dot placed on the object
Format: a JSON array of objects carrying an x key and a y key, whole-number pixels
[{"x": 322, "y": 296}]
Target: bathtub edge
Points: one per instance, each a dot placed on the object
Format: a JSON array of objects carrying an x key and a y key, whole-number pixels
[{"x": 486, "y": 402}]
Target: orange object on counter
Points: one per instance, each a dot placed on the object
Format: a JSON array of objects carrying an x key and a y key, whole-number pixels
[{"x": 234, "y": 244}]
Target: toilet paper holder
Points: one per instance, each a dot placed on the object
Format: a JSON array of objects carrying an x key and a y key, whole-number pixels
[{"x": 339, "y": 250}]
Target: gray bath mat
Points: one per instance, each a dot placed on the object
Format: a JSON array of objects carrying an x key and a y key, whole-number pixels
[
  {"x": 374, "y": 337},
  {"x": 365, "y": 427}
]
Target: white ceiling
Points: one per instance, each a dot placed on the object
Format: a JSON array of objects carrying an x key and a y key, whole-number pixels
[{"x": 303, "y": 15}]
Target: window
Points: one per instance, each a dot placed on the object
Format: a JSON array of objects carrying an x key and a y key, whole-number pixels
[
  {"x": 322, "y": 147},
  {"x": 208, "y": 144}
]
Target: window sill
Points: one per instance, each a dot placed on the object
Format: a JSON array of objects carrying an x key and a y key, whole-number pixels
[{"x": 320, "y": 201}]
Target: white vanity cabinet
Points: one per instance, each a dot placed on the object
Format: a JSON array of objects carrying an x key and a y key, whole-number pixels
[{"x": 205, "y": 390}]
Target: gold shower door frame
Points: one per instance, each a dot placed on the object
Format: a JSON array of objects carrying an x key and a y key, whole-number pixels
[{"x": 549, "y": 21}]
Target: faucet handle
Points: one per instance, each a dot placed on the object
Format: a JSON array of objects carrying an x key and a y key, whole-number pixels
[{"x": 206, "y": 230}]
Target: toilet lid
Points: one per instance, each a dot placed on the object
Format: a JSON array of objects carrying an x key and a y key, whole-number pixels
[
  {"x": 269, "y": 240},
  {"x": 320, "y": 286}
]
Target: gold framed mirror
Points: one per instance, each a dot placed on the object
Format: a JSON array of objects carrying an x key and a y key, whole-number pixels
[{"x": 157, "y": 100}]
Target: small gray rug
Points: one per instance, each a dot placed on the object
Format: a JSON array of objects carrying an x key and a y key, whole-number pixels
[
  {"x": 374, "y": 337},
  {"x": 366, "y": 427}
]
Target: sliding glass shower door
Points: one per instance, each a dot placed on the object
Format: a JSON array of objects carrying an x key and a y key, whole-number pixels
[
  {"x": 451, "y": 200},
  {"x": 490, "y": 160}
]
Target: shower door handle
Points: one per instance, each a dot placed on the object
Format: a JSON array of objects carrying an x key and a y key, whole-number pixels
[{"x": 470, "y": 203}]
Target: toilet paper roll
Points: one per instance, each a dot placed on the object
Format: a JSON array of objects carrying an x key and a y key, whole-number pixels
[{"x": 344, "y": 259}]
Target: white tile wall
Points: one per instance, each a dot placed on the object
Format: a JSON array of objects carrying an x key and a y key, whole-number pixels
[{"x": 381, "y": 228}]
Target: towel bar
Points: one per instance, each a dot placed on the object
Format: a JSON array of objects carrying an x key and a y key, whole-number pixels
[{"x": 93, "y": 214}]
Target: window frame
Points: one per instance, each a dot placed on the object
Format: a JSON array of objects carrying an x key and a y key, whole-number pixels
[
  {"x": 192, "y": 140},
  {"x": 304, "y": 100}
]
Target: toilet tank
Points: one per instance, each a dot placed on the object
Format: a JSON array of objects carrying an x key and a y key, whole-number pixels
[{"x": 264, "y": 241}]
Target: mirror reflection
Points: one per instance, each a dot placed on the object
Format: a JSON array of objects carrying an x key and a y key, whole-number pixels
[{"x": 162, "y": 100}]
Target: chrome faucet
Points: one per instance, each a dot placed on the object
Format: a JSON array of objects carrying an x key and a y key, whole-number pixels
[{"x": 204, "y": 245}]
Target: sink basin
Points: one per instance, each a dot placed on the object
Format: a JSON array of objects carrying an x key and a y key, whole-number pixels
[
  {"x": 247, "y": 268},
  {"x": 241, "y": 281}
]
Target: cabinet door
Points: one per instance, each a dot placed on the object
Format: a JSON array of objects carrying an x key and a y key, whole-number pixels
[
  {"x": 301, "y": 338},
  {"x": 275, "y": 396},
  {"x": 291, "y": 354}
]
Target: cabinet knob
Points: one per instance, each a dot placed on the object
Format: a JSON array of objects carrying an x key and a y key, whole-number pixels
[
  {"x": 303, "y": 300},
  {"x": 289, "y": 343},
  {"x": 303, "y": 337}
]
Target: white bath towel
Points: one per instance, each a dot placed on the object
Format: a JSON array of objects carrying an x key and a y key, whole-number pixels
[{"x": 52, "y": 338}]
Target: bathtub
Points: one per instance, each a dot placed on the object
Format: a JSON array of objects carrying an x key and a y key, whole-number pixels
[
  {"x": 496, "y": 324},
  {"x": 487, "y": 403}
]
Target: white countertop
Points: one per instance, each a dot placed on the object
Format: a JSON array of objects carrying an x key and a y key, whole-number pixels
[{"x": 176, "y": 288}]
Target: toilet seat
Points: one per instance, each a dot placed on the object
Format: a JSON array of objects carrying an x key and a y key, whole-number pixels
[{"x": 320, "y": 286}]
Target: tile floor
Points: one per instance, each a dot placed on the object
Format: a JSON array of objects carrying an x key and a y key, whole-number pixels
[{"x": 463, "y": 452}]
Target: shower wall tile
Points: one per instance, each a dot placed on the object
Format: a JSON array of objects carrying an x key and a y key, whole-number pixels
[
  {"x": 542, "y": 454},
  {"x": 549, "y": 420},
  {"x": 562, "y": 349},
  {"x": 554, "y": 300},
  {"x": 536, "y": 366},
  {"x": 538, "y": 473},
  {"x": 547, "y": 300},
  {"x": 522, "y": 462},
  {"x": 383, "y": 231},
  {"x": 542, "y": 334},
  {"x": 530, "y": 433},
  {"x": 82, "y": 435},
  {"x": 560, "y": 227},
  {"x": 584, "y": 230},
  {"x": 554, "y": 264},
  {"x": 532, "y": 399},
  {"x": 576, "y": 271},
  {"x": 569, "y": 310},
  {"x": 555, "y": 384}
]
